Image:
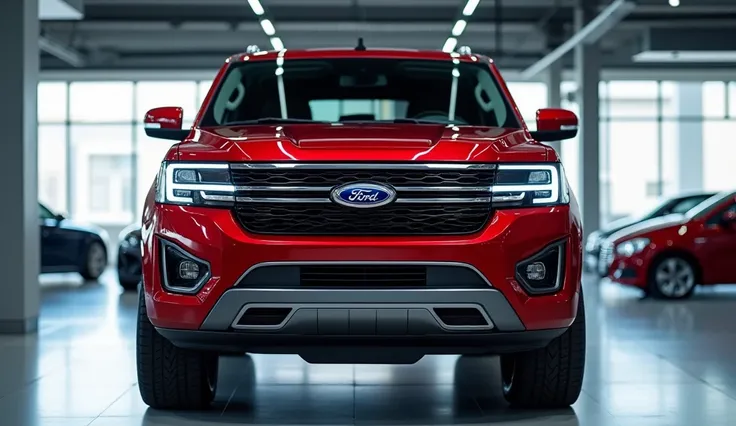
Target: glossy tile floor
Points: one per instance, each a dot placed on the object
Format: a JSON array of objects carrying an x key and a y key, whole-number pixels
[{"x": 649, "y": 363}]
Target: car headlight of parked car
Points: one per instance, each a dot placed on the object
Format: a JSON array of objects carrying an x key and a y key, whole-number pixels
[
  {"x": 130, "y": 237},
  {"x": 195, "y": 184},
  {"x": 632, "y": 247},
  {"x": 530, "y": 185},
  {"x": 594, "y": 241}
]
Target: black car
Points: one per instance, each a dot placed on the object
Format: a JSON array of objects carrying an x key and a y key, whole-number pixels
[
  {"x": 67, "y": 246},
  {"x": 129, "y": 257},
  {"x": 679, "y": 204}
]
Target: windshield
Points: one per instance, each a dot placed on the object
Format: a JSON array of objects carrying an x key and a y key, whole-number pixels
[
  {"x": 360, "y": 90},
  {"x": 706, "y": 206}
]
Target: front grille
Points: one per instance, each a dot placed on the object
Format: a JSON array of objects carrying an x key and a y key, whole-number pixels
[
  {"x": 431, "y": 199},
  {"x": 363, "y": 276},
  {"x": 605, "y": 257}
]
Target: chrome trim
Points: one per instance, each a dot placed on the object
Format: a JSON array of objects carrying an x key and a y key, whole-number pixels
[
  {"x": 364, "y": 263},
  {"x": 429, "y": 307},
  {"x": 184, "y": 253},
  {"x": 282, "y": 200},
  {"x": 443, "y": 188},
  {"x": 215, "y": 197},
  {"x": 398, "y": 188},
  {"x": 443, "y": 200},
  {"x": 284, "y": 188},
  {"x": 327, "y": 200},
  {"x": 352, "y": 166},
  {"x": 508, "y": 198}
]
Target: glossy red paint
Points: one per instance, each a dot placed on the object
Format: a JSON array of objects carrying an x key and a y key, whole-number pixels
[
  {"x": 214, "y": 235},
  {"x": 165, "y": 117},
  {"x": 708, "y": 240},
  {"x": 386, "y": 142},
  {"x": 555, "y": 119}
]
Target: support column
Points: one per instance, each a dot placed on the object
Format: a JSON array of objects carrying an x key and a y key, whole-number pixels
[
  {"x": 587, "y": 73},
  {"x": 690, "y": 137},
  {"x": 553, "y": 80},
  {"x": 19, "y": 220}
]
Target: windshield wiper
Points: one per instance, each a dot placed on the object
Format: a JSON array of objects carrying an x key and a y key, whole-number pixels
[
  {"x": 416, "y": 121},
  {"x": 273, "y": 120}
]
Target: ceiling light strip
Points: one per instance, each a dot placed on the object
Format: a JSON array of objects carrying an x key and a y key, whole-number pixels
[
  {"x": 266, "y": 24},
  {"x": 460, "y": 25}
]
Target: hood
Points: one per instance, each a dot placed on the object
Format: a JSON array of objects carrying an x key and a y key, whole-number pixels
[
  {"x": 649, "y": 225},
  {"x": 84, "y": 227},
  {"x": 618, "y": 225},
  {"x": 361, "y": 142}
]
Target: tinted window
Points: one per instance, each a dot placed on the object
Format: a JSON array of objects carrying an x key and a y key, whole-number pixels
[
  {"x": 716, "y": 219},
  {"x": 385, "y": 89},
  {"x": 682, "y": 206}
]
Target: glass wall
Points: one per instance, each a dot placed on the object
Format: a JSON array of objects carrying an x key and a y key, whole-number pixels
[{"x": 96, "y": 164}]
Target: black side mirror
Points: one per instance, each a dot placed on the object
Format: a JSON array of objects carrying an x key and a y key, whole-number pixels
[{"x": 59, "y": 218}]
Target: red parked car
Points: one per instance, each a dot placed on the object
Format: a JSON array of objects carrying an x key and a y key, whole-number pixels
[
  {"x": 361, "y": 206},
  {"x": 667, "y": 257}
]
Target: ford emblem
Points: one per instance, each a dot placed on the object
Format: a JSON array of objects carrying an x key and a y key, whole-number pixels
[{"x": 363, "y": 195}]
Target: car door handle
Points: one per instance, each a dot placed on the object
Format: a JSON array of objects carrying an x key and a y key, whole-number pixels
[{"x": 700, "y": 240}]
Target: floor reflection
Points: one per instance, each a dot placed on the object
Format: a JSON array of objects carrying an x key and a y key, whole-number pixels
[{"x": 649, "y": 363}]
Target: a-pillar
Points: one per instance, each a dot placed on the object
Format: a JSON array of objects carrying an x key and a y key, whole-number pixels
[
  {"x": 553, "y": 80},
  {"x": 689, "y": 137},
  {"x": 587, "y": 72},
  {"x": 19, "y": 215}
]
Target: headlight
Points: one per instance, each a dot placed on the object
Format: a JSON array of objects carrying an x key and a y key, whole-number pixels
[
  {"x": 594, "y": 241},
  {"x": 195, "y": 184},
  {"x": 530, "y": 185},
  {"x": 632, "y": 247}
]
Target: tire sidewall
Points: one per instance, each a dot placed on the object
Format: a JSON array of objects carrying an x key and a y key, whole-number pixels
[{"x": 653, "y": 287}]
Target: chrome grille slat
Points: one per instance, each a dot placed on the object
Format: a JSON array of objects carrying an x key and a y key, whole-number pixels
[{"x": 431, "y": 199}]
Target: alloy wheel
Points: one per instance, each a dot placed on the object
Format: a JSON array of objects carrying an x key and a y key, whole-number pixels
[{"x": 674, "y": 277}]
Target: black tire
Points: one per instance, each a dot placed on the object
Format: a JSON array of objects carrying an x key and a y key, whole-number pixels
[
  {"x": 129, "y": 285},
  {"x": 654, "y": 288},
  {"x": 90, "y": 270},
  {"x": 170, "y": 377},
  {"x": 550, "y": 377}
]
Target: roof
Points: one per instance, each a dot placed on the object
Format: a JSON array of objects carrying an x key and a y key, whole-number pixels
[{"x": 353, "y": 53}]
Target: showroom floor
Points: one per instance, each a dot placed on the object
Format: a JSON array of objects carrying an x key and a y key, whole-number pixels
[{"x": 649, "y": 364}]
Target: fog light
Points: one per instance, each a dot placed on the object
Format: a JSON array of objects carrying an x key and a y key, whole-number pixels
[
  {"x": 182, "y": 272},
  {"x": 188, "y": 270},
  {"x": 543, "y": 272},
  {"x": 536, "y": 271}
]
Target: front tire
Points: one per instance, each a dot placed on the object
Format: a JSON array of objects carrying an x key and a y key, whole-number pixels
[
  {"x": 550, "y": 377},
  {"x": 94, "y": 262},
  {"x": 672, "y": 277},
  {"x": 170, "y": 377},
  {"x": 129, "y": 285}
]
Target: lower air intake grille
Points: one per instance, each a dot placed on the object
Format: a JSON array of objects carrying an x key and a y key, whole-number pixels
[
  {"x": 394, "y": 219},
  {"x": 363, "y": 276}
]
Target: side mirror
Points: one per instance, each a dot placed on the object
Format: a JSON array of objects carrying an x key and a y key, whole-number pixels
[
  {"x": 555, "y": 124},
  {"x": 165, "y": 123},
  {"x": 59, "y": 217}
]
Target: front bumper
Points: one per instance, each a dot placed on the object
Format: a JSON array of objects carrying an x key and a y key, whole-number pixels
[
  {"x": 407, "y": 322},
  {"x": 215, "y": 236},
  {"x": 630, "y": 271}
]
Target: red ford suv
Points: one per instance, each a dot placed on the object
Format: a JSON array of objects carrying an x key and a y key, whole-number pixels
[
  {"x": 360, "y": 206},
  {"x": 667, "y": 257}
]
